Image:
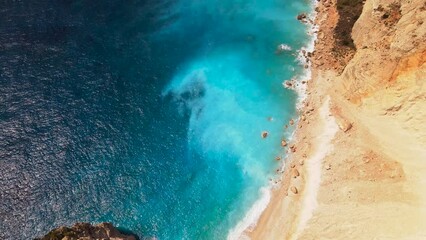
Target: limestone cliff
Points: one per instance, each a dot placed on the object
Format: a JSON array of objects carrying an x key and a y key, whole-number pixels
[
  {"x": 372, "y": 176},
  {"x": 390, "y": 37}
]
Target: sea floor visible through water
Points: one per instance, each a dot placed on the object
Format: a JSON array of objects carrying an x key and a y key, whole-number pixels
[{"x": 146, "y": 114}]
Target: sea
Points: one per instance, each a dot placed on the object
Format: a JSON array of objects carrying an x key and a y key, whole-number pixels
[{"x": 144, "y": 113}]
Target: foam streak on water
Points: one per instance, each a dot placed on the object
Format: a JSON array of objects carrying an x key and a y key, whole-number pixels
[
  {"x": 146, "y": 114},
  {"x": 233, "y": 86}
]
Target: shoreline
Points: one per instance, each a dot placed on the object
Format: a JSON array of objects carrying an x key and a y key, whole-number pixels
[
  {"x": 242, "y": 230},
  {"x": 251, "y": 218},
  {"x": 345, "y": 159},
  {"x": 294, "y": 164}
]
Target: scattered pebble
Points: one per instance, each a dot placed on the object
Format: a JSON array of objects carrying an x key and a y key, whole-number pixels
[
  {"x": 295, "y": 173},
  {"x": 294, "y": 190}
]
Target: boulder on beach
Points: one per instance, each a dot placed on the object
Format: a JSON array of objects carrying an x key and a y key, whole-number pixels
[
  {"x": 345, "y": 126},
  {"x": 295, "y": 173}
]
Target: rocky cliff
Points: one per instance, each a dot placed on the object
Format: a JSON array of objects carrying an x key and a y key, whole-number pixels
[
  {"x": 390, "y": 37},
  {"x": 86, "y": 231},
  {"x": 372, "y": 174}
]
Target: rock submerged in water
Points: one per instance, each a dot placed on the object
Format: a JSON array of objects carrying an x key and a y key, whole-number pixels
[
  {"x": 87, "y": 231},
  {"x": 301, "y": 16},
  {"x": 288, "y": 84}
]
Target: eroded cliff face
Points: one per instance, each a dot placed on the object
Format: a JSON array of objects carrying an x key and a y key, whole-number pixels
[
  {"x": 372, "y": 189},
  {"x": 387, "y": 75},
  {"x": 86, "y": 231},
  {"x": 390, "y": 37}
]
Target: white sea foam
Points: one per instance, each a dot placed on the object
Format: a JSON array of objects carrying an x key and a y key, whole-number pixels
[
  {"x": 250, "y": 219},
  {"x": 306, "y": 75},
  {"x": 283, "y": 47}
]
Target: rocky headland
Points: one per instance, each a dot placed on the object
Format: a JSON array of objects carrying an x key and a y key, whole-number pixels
[{"x": 87, "y": 231}]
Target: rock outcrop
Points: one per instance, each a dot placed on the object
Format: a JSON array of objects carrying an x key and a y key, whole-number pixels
[
  {"x": 391, "y": 35},
  {"x": 87, "y": 231}
]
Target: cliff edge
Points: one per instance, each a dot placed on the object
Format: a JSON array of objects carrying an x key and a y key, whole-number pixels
[
  {"x": 361, "y": 136},
  {"x": 86, "y": 231}
]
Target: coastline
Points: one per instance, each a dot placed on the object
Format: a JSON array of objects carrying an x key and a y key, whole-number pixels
[
  {"x": 242, "y": 230},
  {"x": 282, "y": 216},
  {"x": 347, "y": 172}
]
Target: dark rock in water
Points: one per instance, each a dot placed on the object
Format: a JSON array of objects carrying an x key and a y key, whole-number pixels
[
  {"x": 301, "y": 16},
  {"x": 83, "y": 231}
]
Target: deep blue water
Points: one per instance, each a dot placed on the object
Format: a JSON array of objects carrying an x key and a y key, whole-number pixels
[{"x": 146, "y": 114}]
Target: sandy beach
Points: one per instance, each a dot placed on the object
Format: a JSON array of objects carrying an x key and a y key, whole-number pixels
[{"x": 357, "y": 165}]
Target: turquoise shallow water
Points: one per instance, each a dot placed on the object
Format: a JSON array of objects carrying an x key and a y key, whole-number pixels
[{"x": 146, "y": 114}]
